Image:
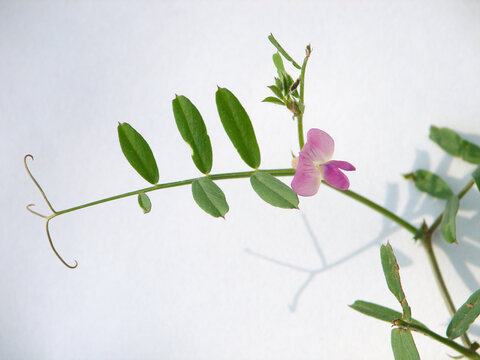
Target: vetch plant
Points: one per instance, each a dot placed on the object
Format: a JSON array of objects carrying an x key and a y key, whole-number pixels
[{"x": 310, "y": 168}]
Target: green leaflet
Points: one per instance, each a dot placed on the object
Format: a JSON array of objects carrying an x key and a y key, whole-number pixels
[
  {"x": 430, "y": 183},
  {"x": 277, "y": 60},
  {"x": 238, "y": 127},
  {"x": 447, "y": 139},
  {"x": 273, "y": 100},
  {"x": 273, "y": 191},
  {"x": 138, "y": 152},
  {"x": 144, "y": 202},
  {"x": 476, "y": 177},
  {"x": 465, "y": 316},
  {"x": 470, "y": 152},
  {"x": 448, "y": 226},
  {"x": 282, "y": 51},
  {"x": 276, "y": 90},
  {"x": 403, "y": 346},
  {"x": 453, "y": 144},
  {"x": 209, "y": 197},
  {"x": 392, "y": 275},
  {"x": 379, "y": 312},
  {"x": 193, "y": 131}
]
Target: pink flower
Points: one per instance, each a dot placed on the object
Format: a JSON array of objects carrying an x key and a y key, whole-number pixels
[{"x": 314, "y": 165}]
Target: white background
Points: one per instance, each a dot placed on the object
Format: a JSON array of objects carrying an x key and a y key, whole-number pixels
[{"x": 265, "y": 283}]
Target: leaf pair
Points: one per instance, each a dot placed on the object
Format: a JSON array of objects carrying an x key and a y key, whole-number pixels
[
  {"x": 212, "y": 199},
  {"x": 435, "y": 186},
  {"x": 403, "y": 346},
  {"x": 235, "y": 121}
]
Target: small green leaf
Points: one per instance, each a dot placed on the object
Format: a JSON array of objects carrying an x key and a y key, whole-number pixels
[
  {"x": 453, "y": 144},
  {"x": 430, "y": 183},
  {"x": 476, "y": 177},
  {"x": 276, "y": 90},
  {"x": 287, "y": 81},
  {"x": 379, "y": 312},
  {"x": 470, "y": 152},
  {"x": 392, "y": 275},
  {"x": 209, "y": 197},
  {"x": 273, "y": 100},
  {"x": 277, "y": 60},
  {"x": 279, "y": 84},
  {"x": 448, "y": 226},
  {"x": 273, "y": 191},
  {"x": 193, "y": 131},
  {"x": 144, "y": 202},
  {"x": 283, "y": 52},
  {"x": 447, "y": 139},
  {"x": 403, "y": 346},
  {"x": 138, "y": 152},
  {"x": 238, "y": 127},
  {"x": 465, "y": 316}
]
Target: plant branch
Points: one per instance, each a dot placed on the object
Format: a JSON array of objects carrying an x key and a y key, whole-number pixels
[
  {"x": 387, "y": 213},
  {"x": 469, "y": 353}
]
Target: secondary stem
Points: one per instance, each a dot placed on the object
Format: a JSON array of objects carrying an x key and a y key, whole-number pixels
[
  {"x": 469, "y": 353},
  {"x": 301, "y": 140},
  {"x": 387, "y": 213},
  {"x": 432, "y": 259}
]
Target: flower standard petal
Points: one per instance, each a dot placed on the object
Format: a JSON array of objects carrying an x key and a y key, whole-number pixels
[
  {"x": 334, "y": 177},
  {"x": 307, "y": 177},
  {"x": 319, "y": 146}
]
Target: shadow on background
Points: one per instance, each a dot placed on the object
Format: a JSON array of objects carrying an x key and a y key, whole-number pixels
[{"x": 462, "y": 256}]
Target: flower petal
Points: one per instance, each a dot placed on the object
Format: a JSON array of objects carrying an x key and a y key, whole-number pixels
[
  {"x": 307, "y": 178},
  {"x": 344, "y": 165},
  {"x": 333, "y": 176},
  {"x": 319, "y": 146}
]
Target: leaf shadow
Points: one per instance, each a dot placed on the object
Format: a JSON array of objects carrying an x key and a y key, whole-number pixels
[
  {"x": 311, "y": 273},
  {"x": 417, "y": 207}
]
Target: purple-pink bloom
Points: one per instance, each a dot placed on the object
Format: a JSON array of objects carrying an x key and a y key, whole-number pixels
[{"x": 314, "y": 165}]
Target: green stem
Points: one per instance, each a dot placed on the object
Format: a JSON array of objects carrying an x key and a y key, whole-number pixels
[
  {"x": 450, "y": 343},
  {"x": 301, "y": 140},
  {"x": 235, "y": 175},
  {"x": 406, "y": 225},
  {"x": 427, "y": 245},
  {"x": 460, "y": 195}
]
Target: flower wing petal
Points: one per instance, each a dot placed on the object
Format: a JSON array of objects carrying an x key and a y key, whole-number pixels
[
  {"x": 333, "y": 176},
  {"x": 307, "y": 178},
  {"x": 319, "y": 146},
  {"x": 344, "y": 165}
]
